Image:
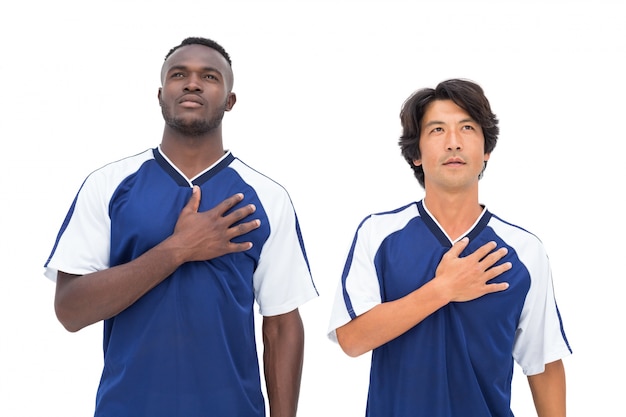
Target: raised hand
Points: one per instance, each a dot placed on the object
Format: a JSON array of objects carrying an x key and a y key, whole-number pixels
[
  {"x": 207, "y": 235},
  {"x": 465, "y": 278}
]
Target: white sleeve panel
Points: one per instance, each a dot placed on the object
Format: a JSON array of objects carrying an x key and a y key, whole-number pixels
[
  {"x": 359, "y": 289},
  {"x": 83, "y": 243},
  {"x": 540, "y": 338},
  {"x": 282, "y": 280}
]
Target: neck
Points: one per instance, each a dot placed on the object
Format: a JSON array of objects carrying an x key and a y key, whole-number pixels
[
  {"x": 455, "y": 213},
  {"x": 192, "y": 154}
]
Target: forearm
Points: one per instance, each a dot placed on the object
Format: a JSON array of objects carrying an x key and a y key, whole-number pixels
[
  {"x": 389, "y": 320},
  {"x": 283, "y": 355},
  {"x": 548, "y": 390},
  {"x": 83, "y": 300}
]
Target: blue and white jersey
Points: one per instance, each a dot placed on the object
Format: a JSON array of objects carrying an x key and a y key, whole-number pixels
[
  {"x": 458, "y": 362},
  {"x": 187, "y": 347}
]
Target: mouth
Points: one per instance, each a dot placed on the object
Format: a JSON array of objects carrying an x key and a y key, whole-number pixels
[
  {"x": 191, "y": 101},
  {"x": 454, "y": 162}
]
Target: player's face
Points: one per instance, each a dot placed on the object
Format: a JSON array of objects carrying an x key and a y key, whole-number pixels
[
  {"x": 452, "y": 147},
  {"x": 196, "y": 90}
]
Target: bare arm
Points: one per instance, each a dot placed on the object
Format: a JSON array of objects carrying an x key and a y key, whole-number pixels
[
  {"x": 456, "y": 279},
  {"x": 548, "y": 390},
  {"x": 82, "y": 300},
  {"x": 283, "y": 355}
]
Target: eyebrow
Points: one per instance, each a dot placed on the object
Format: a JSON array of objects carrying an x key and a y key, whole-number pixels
[
  {"x": 185, "y": 68},
  {"x": 439, "y": 122},
  {"x": 433, "y": 122}
]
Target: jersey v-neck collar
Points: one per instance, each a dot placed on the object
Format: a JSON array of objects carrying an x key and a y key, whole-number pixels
[
  {"x": 180, "y": 178},
  {"x": 436, "y": 229}
]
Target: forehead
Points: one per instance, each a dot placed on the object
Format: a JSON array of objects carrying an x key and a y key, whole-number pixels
[
  {"x": 197, "y": 57},
  {"x": 444, "y": 111}
]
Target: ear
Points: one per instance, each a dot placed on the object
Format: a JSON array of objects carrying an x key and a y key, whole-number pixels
[
  {"x": 230, "y": 101},
  {"x": 487, "y": 156},
  {"x": 159, "y": 96},
  {"x": 417, "y": 162}
]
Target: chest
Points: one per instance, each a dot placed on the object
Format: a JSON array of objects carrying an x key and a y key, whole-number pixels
[{"x": 409, "y": 259}]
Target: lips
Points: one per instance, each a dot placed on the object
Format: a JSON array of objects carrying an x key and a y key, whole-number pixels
[
  {"x": 191, "y": 99},
  {"x": 454, "y": 161}
]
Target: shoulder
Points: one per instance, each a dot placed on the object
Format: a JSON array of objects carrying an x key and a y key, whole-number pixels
[
  {"x": 512, "y": 229},
  {"x": 400, "y": 215},
  {"x": 517, "y": 237},
  {"x": 387, "y": 222},
  {"x": 122, "y": 167},
  {"x": 106, "y": 179},
  {"x": 263, "y": 184}
]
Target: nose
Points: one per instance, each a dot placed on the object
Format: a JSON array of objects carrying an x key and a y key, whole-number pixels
[
  {"x": 193, "y": 83},
  {"x": 453, "y": 141}
]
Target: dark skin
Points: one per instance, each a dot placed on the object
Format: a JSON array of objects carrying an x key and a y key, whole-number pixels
[{"x": 197, "y": 83}]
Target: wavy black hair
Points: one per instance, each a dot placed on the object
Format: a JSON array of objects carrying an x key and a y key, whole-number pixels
[{"x": 464, "y": 93}]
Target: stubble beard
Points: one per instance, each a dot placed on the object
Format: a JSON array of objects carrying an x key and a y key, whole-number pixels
[{"x": 197, "y": 127}]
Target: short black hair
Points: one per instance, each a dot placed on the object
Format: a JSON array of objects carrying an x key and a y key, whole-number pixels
[
  {"x": 464, "y": 93},
  {"x": 196, "y": 40}
]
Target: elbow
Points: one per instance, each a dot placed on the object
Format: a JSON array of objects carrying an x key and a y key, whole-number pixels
[
  {"x": 69, "y": 328},
  {"x": 65, "y": 307},
  {"x": 351, "y": 351},
  {"x": 67, "y": 323},
  {"x": 66, "y": 318},
  {"x": 349, "y": 346}
]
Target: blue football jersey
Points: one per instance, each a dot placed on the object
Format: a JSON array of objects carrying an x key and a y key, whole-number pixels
[
  {"x": 187, "y": 347},
  {"x": 458, "y": 362}
]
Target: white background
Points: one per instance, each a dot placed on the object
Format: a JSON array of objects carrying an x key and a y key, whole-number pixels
[{"x": 319, "y": 87}]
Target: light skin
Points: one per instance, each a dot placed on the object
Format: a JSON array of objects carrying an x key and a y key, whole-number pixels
[
  {"x": 548, "y": 390},
  {"x": 196, "y": 91},
  {"x": 452, "y": 156}
]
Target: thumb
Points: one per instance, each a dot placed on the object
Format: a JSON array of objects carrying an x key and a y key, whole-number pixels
[{"x": 194, "y": 201}]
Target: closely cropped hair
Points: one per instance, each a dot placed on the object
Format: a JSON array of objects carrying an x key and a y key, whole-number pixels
[
  {"x": 465, "y": 94},
  {"x": 202, "y": 41}
]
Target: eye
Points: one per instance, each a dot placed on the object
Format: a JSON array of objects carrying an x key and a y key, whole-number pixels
[
  {"x": 437, "y": 130},
  {"x": 177, "y": 75},
  {"x": 468, "y": 127},
  {"x": 210, "y": 77}
]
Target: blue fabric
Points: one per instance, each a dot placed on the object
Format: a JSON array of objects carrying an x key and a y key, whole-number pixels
[
  {"x": 187, "y": 347},
  {"x": 458, "y": 362}
]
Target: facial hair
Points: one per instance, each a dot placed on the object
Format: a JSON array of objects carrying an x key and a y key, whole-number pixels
[{"x": 195, "y": 127}]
